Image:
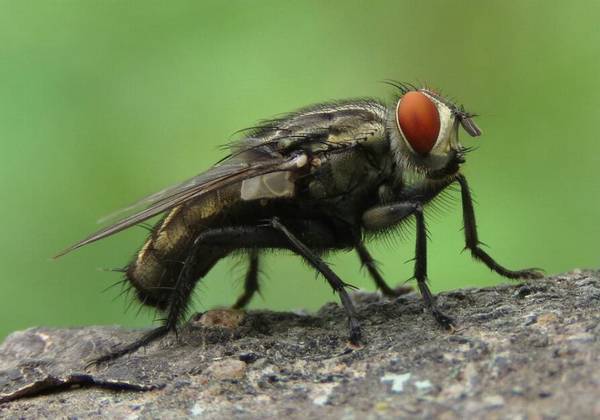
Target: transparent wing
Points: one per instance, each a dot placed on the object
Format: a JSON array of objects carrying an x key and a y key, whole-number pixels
[
  {"x": 220, "y": 176},
  {"x": 277, "y": 145},
  {"x": 216, "y": 172}
]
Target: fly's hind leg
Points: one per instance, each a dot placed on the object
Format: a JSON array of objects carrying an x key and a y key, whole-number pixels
[
  {"x": 251, "y": 285},
  {"x": 177, "y": 306},
  {"x": 279, "y": 236},
  {"x": 367, "y": 260},
  {"x": 146, "y": 339}
]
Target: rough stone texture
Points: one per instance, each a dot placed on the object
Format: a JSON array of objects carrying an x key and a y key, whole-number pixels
[{"x": 521, "y": 351}]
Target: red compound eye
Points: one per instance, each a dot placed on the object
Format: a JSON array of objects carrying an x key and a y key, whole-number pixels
[{"x": 419, "y": 121}]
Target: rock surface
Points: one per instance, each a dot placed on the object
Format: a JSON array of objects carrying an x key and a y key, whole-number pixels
[{"x": 530, "y": 350}]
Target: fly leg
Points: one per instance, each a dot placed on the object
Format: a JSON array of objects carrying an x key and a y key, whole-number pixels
[
  {"x": 367, "y": 260},
  {"x": 472, "y": 239},
  {"x": 178, "y": 303},
  {"x": 250, "y": 282},
  {"x": 421, "y": 270},
  {"x": 146, "y": 339},
  {"x": 334, "y": 281},
  {"x": 277, "y": 235},
  {"x": 225, "y": 239},
  {"x": 388, "y": 215}
]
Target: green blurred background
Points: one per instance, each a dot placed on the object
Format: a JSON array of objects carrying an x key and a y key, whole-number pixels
[{"x": 102, "y": 102}]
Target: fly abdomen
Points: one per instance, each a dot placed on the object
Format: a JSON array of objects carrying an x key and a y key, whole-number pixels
[{"x": 156, "y": 267}]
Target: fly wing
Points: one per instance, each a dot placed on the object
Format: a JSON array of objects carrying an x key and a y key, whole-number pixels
[
  {"x": 277, "y": 145},
  {"x": 214, "y": 173},
  {"x": 220, "y": 176}
]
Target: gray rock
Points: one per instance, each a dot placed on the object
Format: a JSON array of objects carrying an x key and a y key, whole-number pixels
[{"x": 521, "y": 351}]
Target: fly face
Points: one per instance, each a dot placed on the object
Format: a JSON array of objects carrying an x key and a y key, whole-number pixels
[{"x": 425, "y": 132}]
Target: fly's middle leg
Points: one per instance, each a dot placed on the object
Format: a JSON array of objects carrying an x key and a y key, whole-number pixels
[
  {"x": 334, "y": 281},
  {"x": 277, "y": 235},
  {"x": 367, "y": 260},
  {"x": 222, "y": 241},
  {"x": 251, "y": 285}
]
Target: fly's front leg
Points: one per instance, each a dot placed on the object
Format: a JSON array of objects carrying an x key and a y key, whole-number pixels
[
  {"x": 250, "y": 282},
  {"x": 367, "y": 260},
  {"x": 334, "y": 281},
  {"x": 388, "y": 215},
  {"x": 472, "y": 239}
]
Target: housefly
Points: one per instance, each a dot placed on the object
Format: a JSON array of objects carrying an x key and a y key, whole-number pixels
[{"x": 326, "y": 177}]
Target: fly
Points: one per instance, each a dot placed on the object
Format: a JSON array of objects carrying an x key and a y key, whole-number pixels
[{"x": 324, "y": 178}]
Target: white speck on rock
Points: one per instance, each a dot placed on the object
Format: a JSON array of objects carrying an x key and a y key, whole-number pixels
[
  {"x": 396, "y": 380},
  {"x": 324, "y": 391},
  {"x": 197, "y": 410},
  {"x": 493, "y": 401},
  {"x": 423, "y": 385},
  {"x": 321, "y": 400}
]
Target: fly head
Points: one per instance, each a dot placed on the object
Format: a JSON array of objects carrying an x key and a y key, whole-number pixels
[{"x": 424, "y": 132}]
